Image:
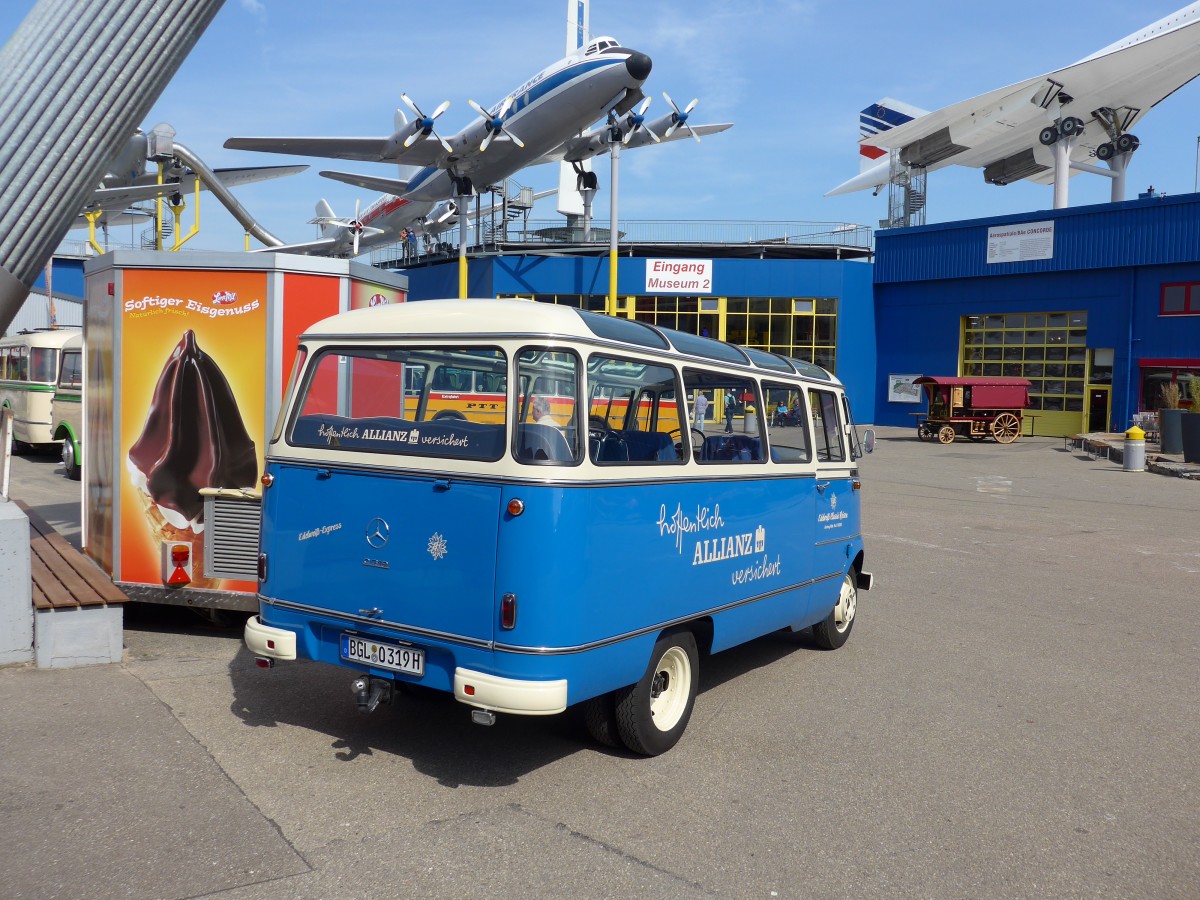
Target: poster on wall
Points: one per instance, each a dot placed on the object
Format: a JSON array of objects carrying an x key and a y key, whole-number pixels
[
  {"x": 193, "y": 407},
  {"x": 902, "y": 390},
  {"x": 1020, "y": 243},
  {"x": 364, "y": 294}
]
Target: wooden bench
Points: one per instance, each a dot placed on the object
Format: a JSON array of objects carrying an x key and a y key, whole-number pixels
[{"x": 77, "y": 608}]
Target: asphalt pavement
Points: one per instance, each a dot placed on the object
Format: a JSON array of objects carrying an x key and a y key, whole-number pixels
[{"x": 1014, "y": 715}]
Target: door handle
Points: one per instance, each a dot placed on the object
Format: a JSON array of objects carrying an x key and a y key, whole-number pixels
[{"x": 821, "y": 485}]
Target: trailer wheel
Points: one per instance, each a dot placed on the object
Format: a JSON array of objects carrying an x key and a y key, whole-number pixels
[
  {"x": 1005, "y": 428},
  {"x": 924, "y": 432},
  {"x": 946, "y": 434},
  {"x": 600, "y": 718},
  {"x": 834, "y": 631},
  {"x": 652, "y": 714}
]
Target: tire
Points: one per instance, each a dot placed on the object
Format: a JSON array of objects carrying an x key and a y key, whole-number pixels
[
  {"x": 1048, "y": 135},
  {"x": 70, "y": 465},
  {"x": 1105, "y": 152},
  {"x": 945, "y": 434},
  {"x": 600, "y": 719},
  {"x": 652, "y": 714},
  {"x": 1071, "y": 125},
  {"x": 1127, "y": 143},
  {"x": 924, "y": 432},
  {"x": 834, "y": 631}
]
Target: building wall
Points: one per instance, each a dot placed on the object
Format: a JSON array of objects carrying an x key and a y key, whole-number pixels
[
  {"x": 1109, "y": 261},
  {"x": 847, "y": 281}
]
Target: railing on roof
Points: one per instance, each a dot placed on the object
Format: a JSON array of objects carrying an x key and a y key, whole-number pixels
[{"x": 666, "y": 233}]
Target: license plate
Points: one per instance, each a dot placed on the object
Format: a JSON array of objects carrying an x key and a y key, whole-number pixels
[{"x": 382, "y": 655}]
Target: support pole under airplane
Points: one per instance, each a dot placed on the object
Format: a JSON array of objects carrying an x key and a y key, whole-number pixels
[{"x": 79, "y": 76}]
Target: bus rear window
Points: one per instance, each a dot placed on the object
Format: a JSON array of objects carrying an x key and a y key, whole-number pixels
[{"x": 447, "y": 402}]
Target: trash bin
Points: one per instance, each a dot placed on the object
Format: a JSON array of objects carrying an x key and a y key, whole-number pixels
[
  {"x": 1134, "y": 455},
  {"x": 749, "y": 420}
]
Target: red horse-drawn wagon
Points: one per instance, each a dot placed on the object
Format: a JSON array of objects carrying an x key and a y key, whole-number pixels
[{"x": 973, "y": 407}]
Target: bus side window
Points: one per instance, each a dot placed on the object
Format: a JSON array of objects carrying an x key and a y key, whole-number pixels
[
  {"x": 547, "y": 429},
  {"x": 634, "y": 415},
  {"x": 826, "y": 427},
  {"x": 737, "y": 419},
  {"x": 788, "y": 423}
]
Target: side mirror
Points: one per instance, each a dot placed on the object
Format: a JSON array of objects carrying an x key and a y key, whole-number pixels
[{"x": 868, "y": 440}]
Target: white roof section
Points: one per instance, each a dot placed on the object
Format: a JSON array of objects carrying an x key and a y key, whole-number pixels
[
  {"x": 441, "y": 317},
  {"x": 35, "y": 313}
]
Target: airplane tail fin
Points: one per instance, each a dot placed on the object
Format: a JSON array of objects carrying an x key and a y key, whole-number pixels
[
  {"x": 404, "y": 173},
  {"x": 881, "y": 116},
  {"x": 325, "y": 211}
]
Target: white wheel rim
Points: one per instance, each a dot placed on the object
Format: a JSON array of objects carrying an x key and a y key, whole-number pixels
[
  {"x": 847, "y": 605},
  {"x": 68, "y": 453},
  {"x": 670, "y": 688}
]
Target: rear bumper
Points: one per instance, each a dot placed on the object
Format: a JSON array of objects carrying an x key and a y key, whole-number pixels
[
  {"x": 508, "y": 695},
  {"x": 274, "y": 643},
  {"x": 865, "y": 581}
]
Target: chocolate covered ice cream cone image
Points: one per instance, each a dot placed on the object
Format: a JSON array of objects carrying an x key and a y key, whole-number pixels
[{"x": 194, "y": 438}]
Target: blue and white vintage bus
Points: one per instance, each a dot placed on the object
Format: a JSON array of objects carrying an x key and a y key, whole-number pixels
[{"x": 589, "y": 551}]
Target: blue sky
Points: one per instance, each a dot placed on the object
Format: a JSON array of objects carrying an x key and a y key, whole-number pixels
[{"x": 791, "y": 74}]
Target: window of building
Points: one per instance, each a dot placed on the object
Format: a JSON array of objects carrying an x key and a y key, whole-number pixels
[
  {"x": 1180, "y": 299},
  {"x": 1050, "y": 349}
]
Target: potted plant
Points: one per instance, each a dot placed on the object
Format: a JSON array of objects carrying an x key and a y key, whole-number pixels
[
  {"x": 1190, "y": 424},
  {"x": 1170, "y": 419}
]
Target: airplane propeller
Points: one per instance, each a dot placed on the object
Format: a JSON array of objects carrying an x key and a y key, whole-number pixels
[
  {"x": 679, "y": 119},
  {"x": 636, "y": 120},
  {"x": 495, "y": 124},
  {"x": 355, "y": 226},
  {"x": 426, "y": 123}
]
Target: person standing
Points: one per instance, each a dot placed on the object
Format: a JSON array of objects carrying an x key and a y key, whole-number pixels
[
  {"x": 730, "y": 402},
  {"x": 700, "y": 410}
]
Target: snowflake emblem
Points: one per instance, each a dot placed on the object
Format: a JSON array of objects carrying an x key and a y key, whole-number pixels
[{"x": 436, "y": 546}]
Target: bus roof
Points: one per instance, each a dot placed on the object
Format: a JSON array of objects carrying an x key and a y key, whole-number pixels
[
  {"x": 42, "y": 337},
  {"x": 498, "y": 318}
]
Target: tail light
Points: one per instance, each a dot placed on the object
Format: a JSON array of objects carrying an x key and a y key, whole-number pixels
[{"x": 508, "y": 612}]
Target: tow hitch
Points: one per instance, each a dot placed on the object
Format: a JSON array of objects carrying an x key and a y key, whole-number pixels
[{"x": 370, "y": 692}]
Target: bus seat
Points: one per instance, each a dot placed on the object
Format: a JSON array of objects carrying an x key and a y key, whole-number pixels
[
  {"x": 612, "y": 448},
  {"x": 645, "y": 446},
  {"x": 732, "y": 447},
  {"x": 542, "y": 442}
]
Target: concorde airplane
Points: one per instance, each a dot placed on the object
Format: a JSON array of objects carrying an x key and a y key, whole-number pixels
[
  {"x": 128, "y": 180},
  {"x": 543, "y": 120},
  {"x": 1048, "y": 127}
]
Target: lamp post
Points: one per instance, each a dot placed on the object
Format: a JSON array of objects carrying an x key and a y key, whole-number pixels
[{"x": 614, "y": 140}]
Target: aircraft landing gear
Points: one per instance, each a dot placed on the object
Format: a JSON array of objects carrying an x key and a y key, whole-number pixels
[
  {"x": 1048, "y": 136},
  {"x": 462, "y": 185}
]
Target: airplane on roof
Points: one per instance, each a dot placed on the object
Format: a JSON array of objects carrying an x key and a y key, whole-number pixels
[
  {"x": 128, "y": 181},
  {"x": 380, "y": 223},
  {"x": 1045, "y": 128},
  {"x": 541, "y": 121}
]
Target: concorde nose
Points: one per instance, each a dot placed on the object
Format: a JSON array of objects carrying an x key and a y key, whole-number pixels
[{"x": 638, "y": 65}]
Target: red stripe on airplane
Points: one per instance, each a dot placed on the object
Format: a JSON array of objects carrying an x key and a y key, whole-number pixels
[
  {"x": 871, "y": 152},
  {"x": 388, "y": 206}
]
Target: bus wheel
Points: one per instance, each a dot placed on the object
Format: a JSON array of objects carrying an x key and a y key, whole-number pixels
[
  {"x": 652, "y": 714},
  {"x": 69, "y": 461},
  {"x": 600, "y": 718},
  {"x": 835, "y": 630}
]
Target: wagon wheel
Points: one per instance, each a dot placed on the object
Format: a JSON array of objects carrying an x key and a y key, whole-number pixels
[
  {"x": 946, "y": 434},
  {"x": 924, "y": 432},
  {"x": 1005, "y": 428}
]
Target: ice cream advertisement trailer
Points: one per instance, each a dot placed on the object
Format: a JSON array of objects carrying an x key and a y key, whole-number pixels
[{"x": 187, "y": 357}]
